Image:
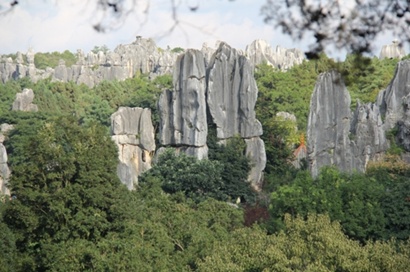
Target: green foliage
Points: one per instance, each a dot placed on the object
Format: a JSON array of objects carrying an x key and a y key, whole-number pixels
[
  {"x": 314, "y": 244},
  {"x": 65, "y": 188},
  {"x": 353, "y": 200},
  {"x": 44, "y": 60},
  {"x": 236, "y": 166},
  {"x": 177, "y": 50},
  {"x": 197, "y": 179}
]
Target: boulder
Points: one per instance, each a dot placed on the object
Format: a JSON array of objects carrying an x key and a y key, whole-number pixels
[
  {"x": 23, "y": 101},
  {"x": 255, "y": 150},
  {"x": 133, "y": 133}
]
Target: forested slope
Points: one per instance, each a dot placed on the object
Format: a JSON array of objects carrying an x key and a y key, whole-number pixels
[{"x": 69, "y": 212}]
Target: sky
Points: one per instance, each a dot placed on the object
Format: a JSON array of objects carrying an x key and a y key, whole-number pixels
[{"x": 57, "y": 25}]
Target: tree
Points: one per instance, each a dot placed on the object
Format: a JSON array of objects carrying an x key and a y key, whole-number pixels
[
  {"x": 352, "y": 25},
  {"x": 349, "y": 25},
  {"x": 66, "y": 195}
]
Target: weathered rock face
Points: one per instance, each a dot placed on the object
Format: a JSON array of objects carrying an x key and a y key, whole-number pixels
[
  {"x": 133, "y": 132},
  {"x": 226, "y": 90},
  {"x": 329, "y": 124},
  {"x": 232, "y": 94},
  {"x": 23, "y": 101},
  {"x": 390, "y": 100},
  {"x": 141, "y": 56},
  {"x": 328, "y": 140},
  {"x": 4, "y": 168},
  {"x": 393, "y": 50},
  {"x": 183, "y": 110},
  {"x": 368, "y": 136},
  {"x": 260, "y": 52}
]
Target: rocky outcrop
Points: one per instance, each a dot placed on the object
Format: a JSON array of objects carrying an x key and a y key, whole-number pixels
[
  {"x": 393, "y": 50},
  {"x": 260, "y": 52},
  {"x": 4, "y": 168},
  {"x": 133, "y": 132},
  {"x": 183, "y": 110},
  {"x": 330, "y": 142},
  {"x": 231, "y": 99},
  {"x": 403, "y": 135},
  {"x": 232, "y": 94},
  {"x": 329, "y": 124},
  {"x": 141, "y": 56},
  {"x": 24, "y": 101},
  {"x": 226, "y": 90},
  {"x": 368, "y": 137},
  {"x": 390, "y": 100}
]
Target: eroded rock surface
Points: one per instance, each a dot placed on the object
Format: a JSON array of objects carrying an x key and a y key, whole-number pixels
[
  {"x": 393, "y": 50},
  {"x": 329, "y": 124},
  {"x": 24, "y": 101},
  {"x": 232, "y": 94},
  {"x": 259, "y": 51},
  {"x": 183, "y": 110},
  {"x": 133, "y": 132},
  {"x": 4, "y": 168}
]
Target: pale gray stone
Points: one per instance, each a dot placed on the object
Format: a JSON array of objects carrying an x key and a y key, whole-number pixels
[
  {"x": 183, "y": 110},
  {"x": 329, "y": 124},
  {"x": 259, "y": 51},
  {"x": 390, "y": 100},
  {"x": 393, "y": 50},
  {"x": 133, "y": 133},
  {"x": 255, "y": 150},
  {"x": 23, "y": 101},
  {"x": 232, "y": 94}
]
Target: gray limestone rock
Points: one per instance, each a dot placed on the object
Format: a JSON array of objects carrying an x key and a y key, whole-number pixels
[
  {"x": 232, "y": 94},
  {"x": 133, "y": 133},
  {"x": 4, "y": 169},
  {"x": 329, "y": 124},
  {"x": 255, "y": 150},
  {"x": 183, "y": 110},
  {"x": 403, "y": 135},
  {"x": 390, "y": 100},
  {"x": 259, "y": 51},
  {"x": 367, "y": 136},
  {"x": 393, "y": 50},
  {"x": 23, "y": 101}
]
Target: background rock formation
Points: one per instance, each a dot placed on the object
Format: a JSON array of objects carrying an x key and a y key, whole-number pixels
[
  {"x": 23, "y": 101},
  {"x": 133, "y": 132},
  {"x": 259, "y": 51},
  {"x": 393, "y": 50}
]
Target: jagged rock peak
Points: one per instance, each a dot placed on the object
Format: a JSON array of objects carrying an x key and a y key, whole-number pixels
[
  {"x": 390, "y": 100},
  {"x": 393, "y": 50},
  {"x": 183, "y": 110},
  {"x": 133, "y": 133},
  {"x": 232, "y": 94},
  {"x": 329, "y": 124},
  {"x": 260, "y": 51},
  {"x": 23, "y": 101}
]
